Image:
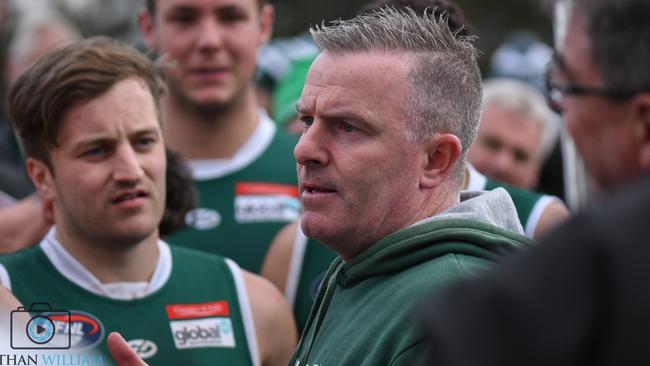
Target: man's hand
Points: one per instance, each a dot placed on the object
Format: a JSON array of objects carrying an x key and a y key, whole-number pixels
[{"x": 122, "y": 353}]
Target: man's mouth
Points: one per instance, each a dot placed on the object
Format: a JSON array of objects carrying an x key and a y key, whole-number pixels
[
  {"x": 129, "y": 196},
  {"x": 312, "y": 189},
  {"x": 209, "y": 71}
]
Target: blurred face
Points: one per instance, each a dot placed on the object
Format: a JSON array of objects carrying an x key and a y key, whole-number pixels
[
  {"x": 605, "y": 131},
  {"x": 212, "y": 44},
  {"x": 358, "y": 172},
  {"x": 108, "y": 178},
  {"x": 507, "y": 147}
]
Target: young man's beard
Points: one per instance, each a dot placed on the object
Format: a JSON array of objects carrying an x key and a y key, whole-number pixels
[{"x": 205, "y": 111}]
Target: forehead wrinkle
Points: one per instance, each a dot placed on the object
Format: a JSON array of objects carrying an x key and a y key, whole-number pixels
[{"x": 335, "y": 104}]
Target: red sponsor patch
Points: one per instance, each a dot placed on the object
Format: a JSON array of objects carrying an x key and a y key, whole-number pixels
[
  {"x": 260, "y": 189},
  {"x": 192, "y": 311}
]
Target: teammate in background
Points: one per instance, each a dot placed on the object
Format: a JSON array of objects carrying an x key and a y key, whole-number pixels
[
  {"x": 98, "y": 156},
  {"x": 240, "y": 161},
  {"x": 538, "y": 212},
  {"x": 516, "y": 134}
]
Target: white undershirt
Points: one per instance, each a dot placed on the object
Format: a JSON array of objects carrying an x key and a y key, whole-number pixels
[
  {"x": 253, "y": 148},
  {"x": 74, "y": 271}
]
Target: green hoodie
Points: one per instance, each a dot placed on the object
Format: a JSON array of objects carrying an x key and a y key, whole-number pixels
[{"x": 363, "y": 315}]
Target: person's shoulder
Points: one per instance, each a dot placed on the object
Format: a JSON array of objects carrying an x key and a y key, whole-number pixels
[
  {"x": 515, "y": 192},
  {"x": 619, "y": 221},
  {"x": 466, "y": 235},
  {"x": 278, "y": 257},
  {"x": 459, "y": 248},
  {"x": 195, "y": 257},
  {"x": 22, "y": 256},
  {"x": 272, "y": 316}
]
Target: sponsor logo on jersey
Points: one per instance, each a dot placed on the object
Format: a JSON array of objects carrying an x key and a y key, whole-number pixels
[
  {"x": 85, "y": 329},
  {"x": 266, "y": 202},
  {"x": 202, "y": 218},
  {"x": 193, "y": 311},
  {"x": 202, "y": 333},
  {"x": 143, "y": 347}
]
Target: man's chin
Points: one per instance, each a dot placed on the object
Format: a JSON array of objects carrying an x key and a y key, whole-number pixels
[
  {"x": 129, "y": 237},
  {"x": 317, "y": 227},
  {"x": 206, "y": 100}
]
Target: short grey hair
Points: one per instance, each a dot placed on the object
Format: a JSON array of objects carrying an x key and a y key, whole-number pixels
[
  {"x": 446, "y": 82},
  {"x": 526, "y": 101}
]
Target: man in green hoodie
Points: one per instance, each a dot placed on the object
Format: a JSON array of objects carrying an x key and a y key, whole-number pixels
[{"x": 389, "y": 110}]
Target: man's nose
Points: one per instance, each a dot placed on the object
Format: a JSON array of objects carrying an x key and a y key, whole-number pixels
[
  {"x": 312, "y": 146},
  {"x": 504, "y": 163},
  {"x": 127, "y": 165},
  {"x": 210, "y": 37}
]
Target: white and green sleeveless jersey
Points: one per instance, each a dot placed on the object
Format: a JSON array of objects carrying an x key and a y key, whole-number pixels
[
  {"x": 530, "y": 205},
  {"x": 194, "y": 310},
  {"x": 245, "y": 200}
]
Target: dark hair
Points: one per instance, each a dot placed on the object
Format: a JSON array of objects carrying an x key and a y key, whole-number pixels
[
  {"x": 456, "y": 20},
  {"x": 619, "y": 33},
  {"x": 181, "y": 196},
  {"x": 151, "y": 5},
  {"x": 78, "y": 72}
]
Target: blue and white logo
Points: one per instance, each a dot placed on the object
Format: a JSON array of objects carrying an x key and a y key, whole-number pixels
[{"x": 40, "y": 329}]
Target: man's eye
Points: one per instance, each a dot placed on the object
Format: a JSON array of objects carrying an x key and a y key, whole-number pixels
[
  {"x": 232, "y": 16},
  {"x": 94, "y": 151},
  {"x": 145, "y": 141},
  {"x": 307, "y": 121},
  {"x": 492, "y": 144},
  {"x": 521, "y": 156},
  {"x": 181, "y": 18},
  {"x": 347, "y": 127}
]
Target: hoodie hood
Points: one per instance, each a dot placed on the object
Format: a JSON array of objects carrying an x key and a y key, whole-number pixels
[
  {"x": 483, "y": 224},
  {"x": 492, "y": 207}
]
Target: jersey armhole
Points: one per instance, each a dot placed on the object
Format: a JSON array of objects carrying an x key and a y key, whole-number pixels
[
  {"x": 536, "y": 214},
  {"x": 246, "y": 312},
  {"x": 5, "y": 280},
  {"x": 295, "y": 267}
]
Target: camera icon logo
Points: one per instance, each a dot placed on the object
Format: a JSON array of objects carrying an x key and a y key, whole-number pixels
[{"x": 40, "y": 327}]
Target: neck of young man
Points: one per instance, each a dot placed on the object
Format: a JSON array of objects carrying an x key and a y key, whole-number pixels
[
  {"x": 111, "y": 262},
  {"x": 219, "y": 135}
]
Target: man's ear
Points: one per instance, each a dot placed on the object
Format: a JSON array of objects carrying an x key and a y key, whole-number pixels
[
  {"x": 442, "y": 154},
  {"x": 147, "y": 28},
  {"x": 42, "y": 178},
  {"x": 267, "y": 17},
  {"x": 642, "y": 102}
]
